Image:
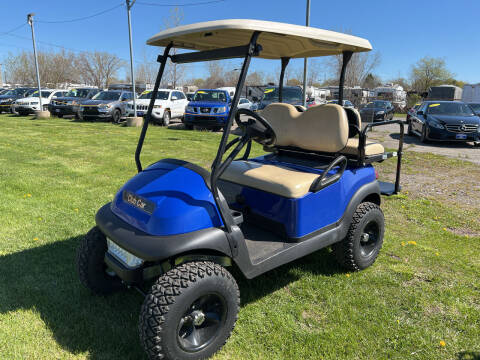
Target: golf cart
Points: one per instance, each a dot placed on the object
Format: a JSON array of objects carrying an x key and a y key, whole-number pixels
[{"x": 179, "y": 226}]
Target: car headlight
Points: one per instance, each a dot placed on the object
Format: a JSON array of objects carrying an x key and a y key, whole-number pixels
[
  {"x": 436, "y": 125},
  {"x": 124, "y": 256},
  {"x": 190, "y": 109},
  {"x": 34, "y": 103},
  {"x": 380, "y": 112},
  {"x": 157, "y": 106},
  {"x": 220, "y": 109}
]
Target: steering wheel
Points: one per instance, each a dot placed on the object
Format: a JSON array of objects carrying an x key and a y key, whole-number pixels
[{"x": 255, "y": 127}]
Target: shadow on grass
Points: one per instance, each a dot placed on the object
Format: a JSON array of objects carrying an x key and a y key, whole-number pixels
[
  {"x": 45, "y": 279},
  {"x": 469, "y": 355}
]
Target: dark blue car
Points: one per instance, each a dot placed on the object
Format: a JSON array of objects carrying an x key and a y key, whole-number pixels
[
  {"x": 445, "y": 121},
  {"x": 209, "y": 108}
]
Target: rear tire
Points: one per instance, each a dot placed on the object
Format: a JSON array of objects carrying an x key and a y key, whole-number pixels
[
  {"x": 91, "y": 266},
  {"x": 364, "y": 239},
  {"x": 189, "y": 312}
]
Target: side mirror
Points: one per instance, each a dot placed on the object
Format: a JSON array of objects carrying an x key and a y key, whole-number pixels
[{"x": 420, "y": 113}]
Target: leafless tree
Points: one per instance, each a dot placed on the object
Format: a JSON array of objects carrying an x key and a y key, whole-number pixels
[
  {"x": 98, "y": 68},
  {"x": 255, "y": 78},
  {"x": 359, "y": 67},
  {"x": 174, "y": 73}
]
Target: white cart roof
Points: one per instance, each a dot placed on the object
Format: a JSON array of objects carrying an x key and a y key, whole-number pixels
[{"x": 277, "y": 39}]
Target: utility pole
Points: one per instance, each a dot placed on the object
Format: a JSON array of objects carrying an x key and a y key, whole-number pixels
[
  {"x": 305, "y": 61},
  {"x": 132, "y": 73},
  {"x": 30, "y": 22}
]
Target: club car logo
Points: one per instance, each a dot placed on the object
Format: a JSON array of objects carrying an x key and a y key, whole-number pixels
[{"x": 138, "y": 202}]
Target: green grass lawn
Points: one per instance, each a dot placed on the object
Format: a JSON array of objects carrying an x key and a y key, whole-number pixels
[{"x": 420, "y": 300}]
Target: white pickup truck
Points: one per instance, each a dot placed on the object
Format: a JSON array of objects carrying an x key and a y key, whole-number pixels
[
  {"x": 31, "y": 104},
  {"x": 169, "y": 104}
]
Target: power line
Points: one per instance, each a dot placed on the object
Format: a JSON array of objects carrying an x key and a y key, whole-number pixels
[
  {"x": 80, "y": 18},
  {"x": 14, "y": 29},
  {"x": 180, "y": 5}
]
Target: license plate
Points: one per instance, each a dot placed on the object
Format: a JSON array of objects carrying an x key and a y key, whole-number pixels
[
  {"x": 461, "y": 136},
  {"x": 140, "y": 113},
  {"x": 57, "y": 110}
]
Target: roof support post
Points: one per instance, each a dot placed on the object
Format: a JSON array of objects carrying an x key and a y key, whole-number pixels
[
  {"x": 285, "y": 61},
  {"x": 347, "y": 55},
  {"x": 163, "y": 60},
  {"x": 253, "y": 49}
]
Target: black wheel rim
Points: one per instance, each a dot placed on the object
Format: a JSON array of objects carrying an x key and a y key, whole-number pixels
[
  {"x": 369, "y": 238},
  {"x": 202, "y": 322}
]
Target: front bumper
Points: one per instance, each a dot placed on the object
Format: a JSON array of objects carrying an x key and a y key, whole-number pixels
[
  {"x": 370, "y": 117},
  {"x": 61, "y": 109},
  {"x": 445, "y": 135},
  {"x": 95, "y": 112},
  {"x": 205, "y": 120}
]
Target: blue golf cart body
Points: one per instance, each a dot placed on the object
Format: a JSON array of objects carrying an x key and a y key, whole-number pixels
[{"x": 209, "y": 108}]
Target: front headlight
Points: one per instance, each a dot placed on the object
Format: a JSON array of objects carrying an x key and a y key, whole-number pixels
[
  {"x": 190, "y": 109},
  {"x": 436, "y": 125},
  {"x": 124, "y": 256},
  {"x": 34, "y": 103},
  {"x": 157, "y": 106},
  {"x": 221, "y": 109},
  {"x": 380, "y": 112}
]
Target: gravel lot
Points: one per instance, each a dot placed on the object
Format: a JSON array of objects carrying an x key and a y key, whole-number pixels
[{"x": 388, "y": 135}]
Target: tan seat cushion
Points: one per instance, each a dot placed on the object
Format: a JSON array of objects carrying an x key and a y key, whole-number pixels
[
  {"x": 273, "y": 179},
  {"x": 371, "y": 148},
  {"x": 319, "y": 128}
]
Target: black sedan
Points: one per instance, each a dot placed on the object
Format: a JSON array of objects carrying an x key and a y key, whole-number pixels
[
  {"x": 9, "y": 97},
  {"x": 445, "y": 121},
  {"x": 378, "y": 110},
  {"x": 69, "y": 104}
]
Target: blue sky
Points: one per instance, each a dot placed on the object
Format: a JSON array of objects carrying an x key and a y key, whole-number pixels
[{"x": 401, "y": 31}]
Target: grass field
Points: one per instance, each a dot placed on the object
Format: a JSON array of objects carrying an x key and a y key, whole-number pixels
[{"x": 420, "y": 300}]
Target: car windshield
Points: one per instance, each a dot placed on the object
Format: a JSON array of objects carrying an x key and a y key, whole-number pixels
[
  {"x": 80, "y": 93},
  {"x": 10, "y": 93},
  {"x": 45, "y": 94},
  {"x": 475, "y": 107},
  {"x": 210, "y": 95},
  {"x": 290, "y": 94},
  {"x": 161, "y": 95},
  {"x": 376, "y": 104},
  {"x": 450, "y": 108},
  {"x": 107, "y": 95}
]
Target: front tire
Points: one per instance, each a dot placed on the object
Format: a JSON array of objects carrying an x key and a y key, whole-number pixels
[
  {"x": 166, "y": 118},
  {"x": 91, "y": 266},
  {"x": 423, "y": 137},
  {"x": 364, "y": 239},
  {"x": 116, "y": 116},
  {"x": 190, "y": 312}
]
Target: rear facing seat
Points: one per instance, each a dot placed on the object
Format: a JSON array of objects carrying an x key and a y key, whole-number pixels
[{"x": 371, "y": 148}]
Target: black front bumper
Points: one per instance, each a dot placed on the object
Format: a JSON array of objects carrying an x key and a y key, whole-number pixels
[
  {"x": 61, "y": 110},
  {"x": 446, "y": 135}
]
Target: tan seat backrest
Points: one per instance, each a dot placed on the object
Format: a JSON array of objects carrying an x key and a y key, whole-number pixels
[
  {"x": 320, "y": 128},
  {"x": 354, "y": 118}
]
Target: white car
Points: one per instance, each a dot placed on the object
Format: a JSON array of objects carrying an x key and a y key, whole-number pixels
[
  {"x": 244, "y": 103},
  {"x": 31, "y": 104},
  {"x": 168, "y": 105}
]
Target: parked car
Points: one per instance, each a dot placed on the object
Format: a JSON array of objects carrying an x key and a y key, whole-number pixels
[
  {"x": 291, "y": 95},
  {"x": 68, "y": 104},
  {"x": 190, "y": 96},
  {"x": 347, "y": 104},
  {"x": 169, "y": 104},
  {"x": 209, "y": 108},
  {"x": 106, "y": 105},
  {"x": 476, "y": 108},
  {"x": 445, "y": 120},
  {"x": 378, "y": 110},
  {"x": 244, "y": 103},
  {"x": 412, "y": 111},
  {"x": 9, "y": 97},
  {"x": 29, "y": 105}
]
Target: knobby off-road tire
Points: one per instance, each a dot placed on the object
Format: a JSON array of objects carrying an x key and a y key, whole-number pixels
[
  {"x": 172, "y": 307},
  {"x": 358, "y": 250},
  {"x": 91, "y": 266}
]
